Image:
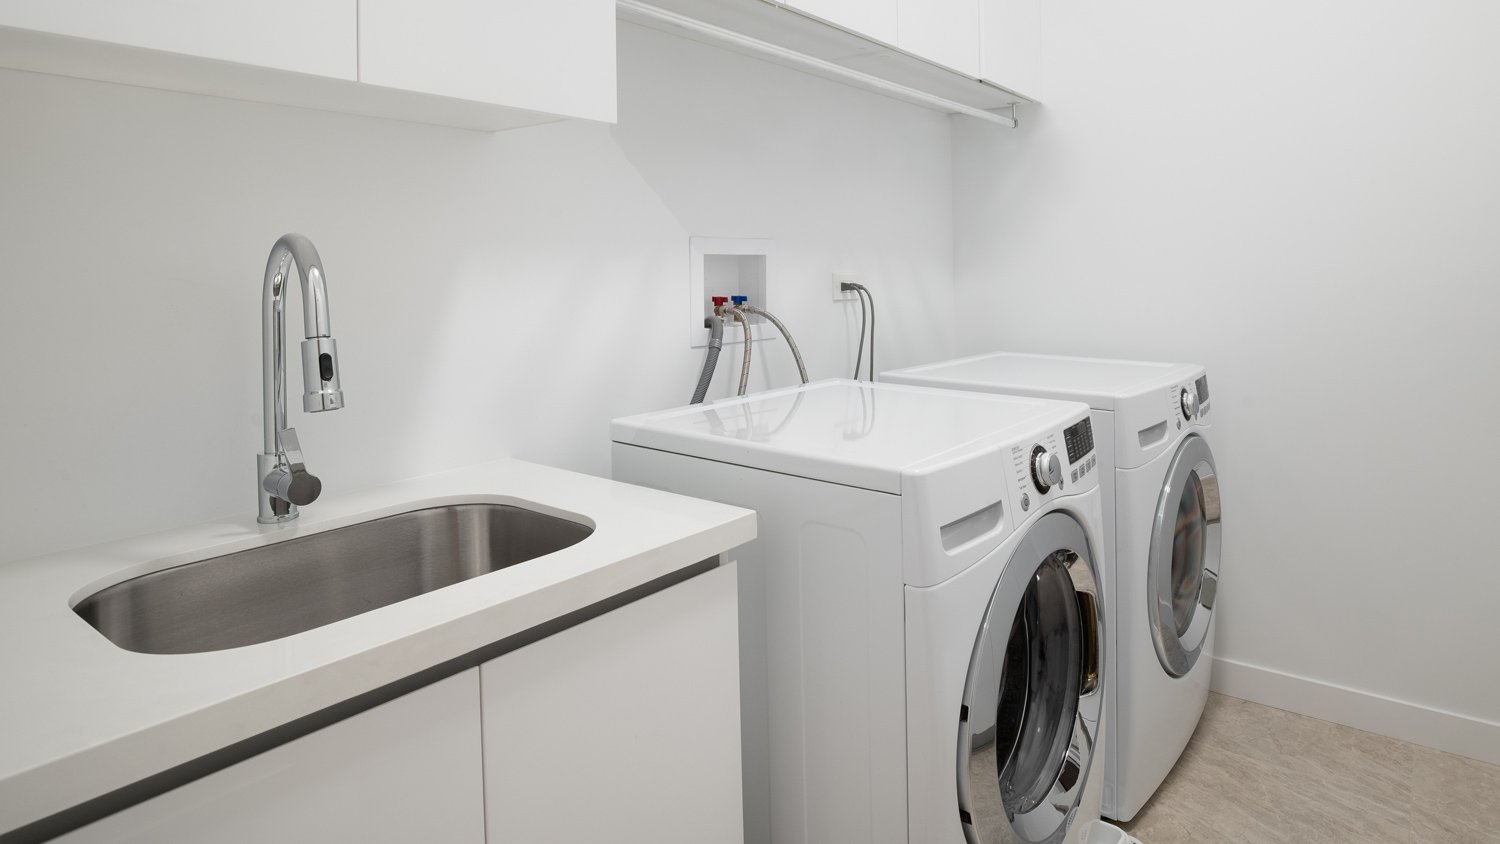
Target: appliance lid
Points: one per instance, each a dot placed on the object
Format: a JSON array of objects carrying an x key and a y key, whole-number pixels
[
  {"x": 854, "y": 433},
  {"x": 1097, "y": 381}
]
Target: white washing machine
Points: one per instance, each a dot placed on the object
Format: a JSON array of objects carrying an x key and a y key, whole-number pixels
[
  {"x": 1162, "y": 524},
  {"x": 922, "y": 652}
]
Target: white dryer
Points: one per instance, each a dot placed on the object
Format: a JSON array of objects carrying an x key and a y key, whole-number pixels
[
  {"x": 1162, "y": 526},
  {"x": 922, "y": 645}
]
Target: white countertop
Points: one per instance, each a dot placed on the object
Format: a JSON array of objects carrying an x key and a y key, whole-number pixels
[{"x": 80, "y": 717}]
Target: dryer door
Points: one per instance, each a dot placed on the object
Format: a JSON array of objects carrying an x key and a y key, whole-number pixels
[
  {"x": 1031, "y": 706},
  {"x": 1182, "y": 574}
]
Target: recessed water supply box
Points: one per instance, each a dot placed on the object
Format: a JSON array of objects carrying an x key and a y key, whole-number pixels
[{"x": 727, "y": 266}]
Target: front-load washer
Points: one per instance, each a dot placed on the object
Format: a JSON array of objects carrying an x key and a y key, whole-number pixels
[
  {"x": 922, "y": 638},
  {"x": 1162, "y": 530}
]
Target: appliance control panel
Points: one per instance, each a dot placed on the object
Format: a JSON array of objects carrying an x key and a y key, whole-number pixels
[
  {"x": 1188, "y": 401},
  {"x": 1054, "y": 464}
]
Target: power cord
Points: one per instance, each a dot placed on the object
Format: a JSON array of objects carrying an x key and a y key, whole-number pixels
[{"x": 863, "y": 293}]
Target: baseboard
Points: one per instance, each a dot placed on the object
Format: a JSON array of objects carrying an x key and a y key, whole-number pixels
[{"x": 1464, "y": 735}]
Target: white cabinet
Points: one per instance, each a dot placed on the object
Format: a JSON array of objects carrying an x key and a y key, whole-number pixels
[
  {"x": 1011, "y": 45},
  {"x": 555, "y": 56},
  {"x": 622, "y": 728},
  {"x": 475, "y": 64},
  {"x": 407, "y": 770},
  {"x": 625, "y": 728},
  {"x": 306, "y": 36},
  {"x": 874, "y": 19},
  {"x": 944, "y": 32}
]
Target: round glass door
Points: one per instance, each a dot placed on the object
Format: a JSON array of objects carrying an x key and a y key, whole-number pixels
[
  {"x": 1032, "y": 701},
  {"x": 1183, "y": 568}
]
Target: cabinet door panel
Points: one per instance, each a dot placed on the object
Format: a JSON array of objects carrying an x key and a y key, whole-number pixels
[
  {"x": 407, "y": 770},
  {"x": 554, "y": 56},
  {"x": 945, "y": 32},
  {"x": 624, "y": 729},
  {"x": 875, "y": 19},
  {"x": 306, "y": 36}
]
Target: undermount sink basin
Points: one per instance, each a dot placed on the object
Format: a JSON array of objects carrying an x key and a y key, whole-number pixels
[{"x": 276, "y": 590}]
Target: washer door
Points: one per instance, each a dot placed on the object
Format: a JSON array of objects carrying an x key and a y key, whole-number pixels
[
  {"x": 1182, "y": 575},
  {"x": 1032, "y": 701}
]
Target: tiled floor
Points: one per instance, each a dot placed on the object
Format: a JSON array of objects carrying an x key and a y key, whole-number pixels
[{"x": 1257, "y": 775}]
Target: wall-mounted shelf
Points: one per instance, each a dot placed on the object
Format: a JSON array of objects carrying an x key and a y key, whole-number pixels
[{"x": 777, "y": 34}]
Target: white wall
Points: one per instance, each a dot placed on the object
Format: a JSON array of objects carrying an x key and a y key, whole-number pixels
[
  {"x": 492, "y": 294},
  {"x": 1305, "y": 197}
]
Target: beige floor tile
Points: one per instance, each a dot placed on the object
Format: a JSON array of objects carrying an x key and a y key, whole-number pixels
[
  {"x": 1213, "y": 795},
  {"x": 1455, "y": 797},
  {"x": 1260, "y": 775},
  {"x": 1339, "y": 756}
]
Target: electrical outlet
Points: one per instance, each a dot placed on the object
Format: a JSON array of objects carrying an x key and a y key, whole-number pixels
[{"x": 843, "y": 295}]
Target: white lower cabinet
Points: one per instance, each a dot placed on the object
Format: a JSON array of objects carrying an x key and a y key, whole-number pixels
[
  {"x": 407, "y": 770},
  {"x": 625, "y": 728}
]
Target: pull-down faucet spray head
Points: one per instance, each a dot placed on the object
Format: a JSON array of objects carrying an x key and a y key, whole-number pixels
[
  {"x": 320, "y": 375},
  {"x": 284, "y": 482}
]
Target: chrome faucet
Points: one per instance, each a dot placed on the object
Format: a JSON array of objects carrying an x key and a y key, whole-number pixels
[{"x": 283, "y": 480}]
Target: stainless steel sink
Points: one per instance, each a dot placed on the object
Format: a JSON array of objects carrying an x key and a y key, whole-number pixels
[{"x": 277, "y": 590}]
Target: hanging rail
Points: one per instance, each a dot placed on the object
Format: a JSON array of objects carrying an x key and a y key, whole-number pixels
[{"x": 638, "y": 12}]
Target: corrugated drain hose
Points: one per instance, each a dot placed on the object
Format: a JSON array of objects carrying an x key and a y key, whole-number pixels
[
  {"x": 796, "y": 355},
  {"x": 710, "y": 358}
]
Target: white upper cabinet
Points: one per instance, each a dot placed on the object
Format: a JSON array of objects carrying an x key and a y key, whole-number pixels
[
  {"x": 475, "y": 64},
  {"x": 305, "y": 36},
  {"x": 944, "y": 32},
  {"x": 555, "y": 56},
  {"x": 1011, "y": 45},
  {"x": 874, "y": 19}
]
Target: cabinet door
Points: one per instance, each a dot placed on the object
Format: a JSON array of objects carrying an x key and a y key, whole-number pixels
[
  {"x": 1011, "y": 45},
  {"x": 306, "y": 36},
  {"x": 624, "y": 729},
  {"x": 555, "y": 56},
  {"x": 407, "y": 770},
  {"x": 944, "y": 32},
  {"x": 875, "y": 19}
]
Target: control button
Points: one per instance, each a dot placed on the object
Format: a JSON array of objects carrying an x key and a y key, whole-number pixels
[
  {"x": 1025, "y": 502},
  {"x": 1075, "y": 476}
]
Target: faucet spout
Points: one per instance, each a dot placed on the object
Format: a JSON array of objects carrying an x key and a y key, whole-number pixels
[{"x": 284, "y": 481}]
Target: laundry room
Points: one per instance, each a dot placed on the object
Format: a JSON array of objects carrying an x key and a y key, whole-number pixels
[{"x": 767, "y": 421}]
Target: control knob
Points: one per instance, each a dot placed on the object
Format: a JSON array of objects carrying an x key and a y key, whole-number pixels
[
  {"x": 1189, "y": 403},
  {"x": 1046, "y": 469}
]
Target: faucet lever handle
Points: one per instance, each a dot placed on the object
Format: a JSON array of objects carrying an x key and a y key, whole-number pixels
[
  {"x": 290, "y": 480},
  {"x": 290, "y": 449}
]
